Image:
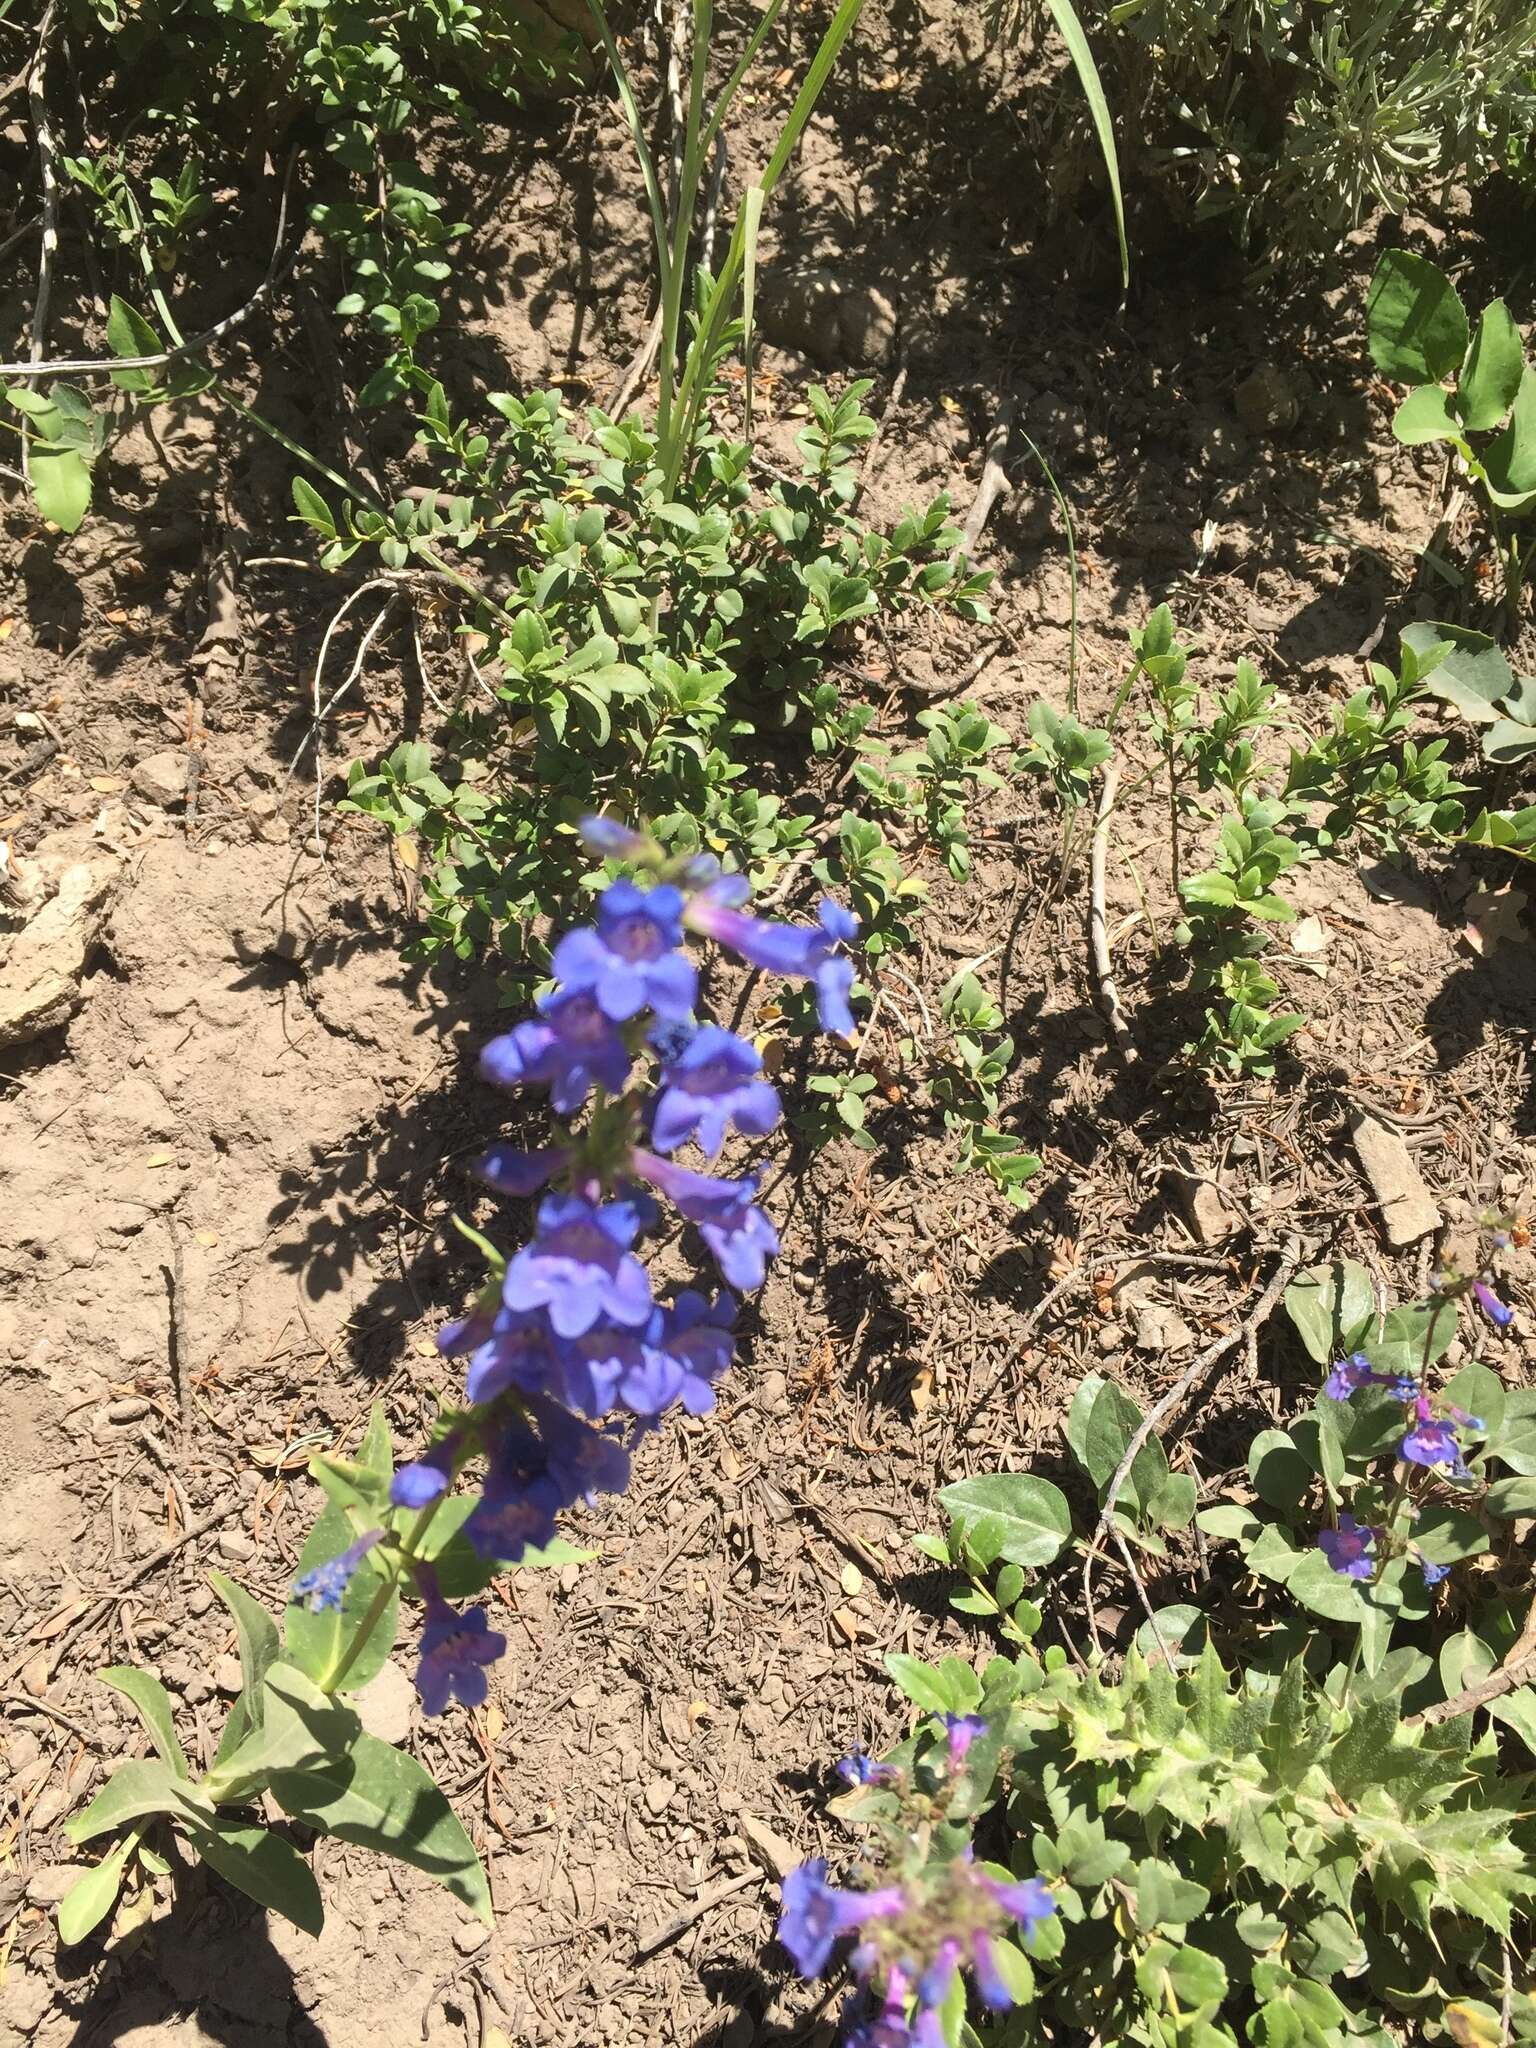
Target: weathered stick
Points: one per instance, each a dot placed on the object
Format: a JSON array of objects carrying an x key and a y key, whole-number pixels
[{"x": 1098, "y": 935}]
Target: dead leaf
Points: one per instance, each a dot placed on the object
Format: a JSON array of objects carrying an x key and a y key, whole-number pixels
[
  {"x": 847, "y": 1622},
  {"x": 161, "y": 1159},
  {"x": 1310, "y": 935},
  {"x": 409, "y": 852},
  {"x": 1496, "y": 918},
  {"x": 207, "y": 1238},
  {"x": 851, "y": 1579},
  {"x": 107, "y": 784}
]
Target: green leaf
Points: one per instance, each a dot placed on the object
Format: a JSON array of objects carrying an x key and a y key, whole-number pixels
[
  {"x": 1035, "y": 1514},
  {"x": 1490, "y": 377},
  {"x": 1510, "y": 458},
  {"x": 921, "y": 1685},
  {"x": 145, "y": 1785},
  {"x": 1481, "y": 1393},
  {"x": 1079, "y": 51},
  {"x": 313, "y": 509},
  {"x": 1173, "y": 1504},
  {"x": 1331, "y": 1307},
  {"x": 299, "y": 1726},
  {"x": 381, "y": 1798},
  {"x": 145, "y": 1692},
  {"x": 1473, "y": 674},
  {"x": 265, "y": 1867},
  {"x": 1464, "y": 1659},
  {"x": 1517, "y": 1710},
  {"x": 1508, "y": 1498},
  {"x": 1315, "y": 1583},
  {"x": 1101, "y": 1423},
  {"x": 316, "y": 1641},
  {"x": 1425, "y": 415},
  {"x": 61, "y": 484},
  {"x": 1410, "y": 1339},
  {"x": 129, "y": 334},
  {"x": 260, "y": 1648},
  {"x": 1415, "y": 321},
  {"x": 1182, "y": 1629},
  {"x": 1180, "y": 1977},
  {"x": 1280, "y": 1474},
  {"x": 92, "y": 1897},
  {"x": 1232, "y": 1523}
]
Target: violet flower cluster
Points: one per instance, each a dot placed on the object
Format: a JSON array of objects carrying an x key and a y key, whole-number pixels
[
  {"x": 570, "y": 1356},
  {"x": 911, "y": 1937}
]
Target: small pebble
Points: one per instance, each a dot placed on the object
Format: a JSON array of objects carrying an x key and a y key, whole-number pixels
[
  {"x": 235, "y": 1543},
  {"x": 199, "y": 1600},
  {"x": 474, "y": 1934},
  {"x": 227, "y": 1675},
  {"x": 129, "y": 1410},
  {"x": 47, "y": 1886},
  {"x": 22, "y": 1750},
  {"x": 851, "y": 1579},
  {"x": 659, "y": 1794}
]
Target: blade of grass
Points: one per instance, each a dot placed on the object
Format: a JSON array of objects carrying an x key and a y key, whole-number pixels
[
  {"x": 1078, "y": 50},
  {"x": 752, "y": 215},
  {"x": 631, "y": 108}
]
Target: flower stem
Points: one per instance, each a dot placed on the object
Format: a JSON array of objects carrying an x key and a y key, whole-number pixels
[{"x": 405, "y": 1556}]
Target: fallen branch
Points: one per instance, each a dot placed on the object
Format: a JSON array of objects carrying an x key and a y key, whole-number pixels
[
  {"x": 680, "y": 1923},
  {"x": 1290, "y": 1258},
  {"x": 1098, "y": 936},
  {"x": 994, "y": 478},
  {"x": 1517, "y": 1667}
]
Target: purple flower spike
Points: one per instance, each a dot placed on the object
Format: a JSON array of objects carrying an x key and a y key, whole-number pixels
[
  {"x": 614, "y": 841},
  {"x": 631, "y": 961},
  {"x": 1348, "y": 1375},
  {"x": 1347, "y": 1546},
  {"x": 709, "y": 1087},
  {"x": 887, "y": 2026},
  {"x": 1499, "y": 1313},
  {"x": 571, "y": 1048},
  {"x": 1026, "y": 1900},
  {"x": 816, "y": 1915},
  {"x": 962, "y": 1730},
  {"x": 418, "y": 1485},
  {"x": 522, "y": 1497},
  {"x": 455, "y": 1649},
  {"x": 511, "y": 1172},
  {"x": 860, "y": 1768},
  {"x": 326, "y": 1584},
  {"x": 690, "y": 1342},
  {"x": 582, "y": 1460},
  {"x": 740, "y": 1235},
  {"x": 580, "y": 1268}
]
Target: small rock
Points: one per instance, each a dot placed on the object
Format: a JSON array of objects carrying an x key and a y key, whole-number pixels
[
  {"x": 227, "y": 1675},
  {"x": 851, "y": 1579},
  {"x": 1268, "y": 402},
  {"x": 1407, "y": 1208},
  {"x": 199, "y": 1600},
  {"x": 23, "y": 1749},
  {"x": 659, "y": 1794},
  {"x": 1160, "y": 1328},
  {"x": 49, "y": 1807},
  {"x": 127, "y": 1410},
  {"x": 162, "y": 777},
  {"x": 778, "y": 1856},
  {"x": 34, "y": 1676},
  {"x": 771, "y": 1392},
  {"x": 47, "y": 1886},
  {"x": 262, "y": 805},
  {"x": 41, "y": 985},
  {"x": 384, "y": 1705},
  {"x": 236, "y": 1544},
  {"x": 472, "y": 1935},
  {"x": 1111, "y": 1339},
  {"x": 1209, "y": 1217}
]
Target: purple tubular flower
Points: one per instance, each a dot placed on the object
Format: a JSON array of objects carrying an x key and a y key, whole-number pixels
[
  {"x": 419, "y": 1484},
  {"x": 1405, "y": 1387},
  {"x": 1026, "y": 1900},
  {"x": 1430, "y": 1442},
  {"x": 1349, "y": 1374},
  {"x": 797, "y": 950},
  {"x": 710, "y": 1086},
  {"x": 325, "y": 1585},
  {"x": 740, "y": 1235},
  {"x": 521, "y": 1351},
  {"x": 473, "y": 1330},
  {"x": 990, "y": 1981},
  {"x": 455, "y": 1649},
  {"x": 583, "y": 1461},
  {"x": 632, "y": 960},
  {"x": 860, "y": 1768},
  {"x": 580, "y": 1268},
  {"x": 521, "y": 1499},
  {"x": 690, "y": 1342},
  {"x": 1499, "y": 1313},
  {"x": 886, "y": 2027},
  {"x": 816, "y": 1915},
  {"x": 1433, "y": 1573},
  {"x": 1346, "y": 1548},
  {"x": 571, "y": 1047},
  {"x": 933, "y": 1985},
  {"x": 614, "y": 841},
  {"x": 962, "y": 1730},
  {"x": 511, "y": 1172}
]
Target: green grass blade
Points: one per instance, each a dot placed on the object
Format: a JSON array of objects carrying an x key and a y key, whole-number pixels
[
  {"x": 766, "y": 20},
  {"x": 631, "y": 108},
  {"x": 1078, "y": 50},
  {"x": 752, "y": 216},
  {"x": 827, "y": 54}
]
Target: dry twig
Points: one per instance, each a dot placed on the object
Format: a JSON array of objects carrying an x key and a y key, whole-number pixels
[
  {"x": 994, "y": 478},
  {"x": 1290, "y": 1258},
  {"x": 1513, "y": 1671},
  {"x": 1098, "y": 936}
]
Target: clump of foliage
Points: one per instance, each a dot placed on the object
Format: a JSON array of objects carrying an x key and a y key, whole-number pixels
[
  {"x": 1295, "y": 123},
  {"x": 1361, "y": 779},
  {"x": 1471, "y": 388},
  {"x": 1242, "y": 1835}
]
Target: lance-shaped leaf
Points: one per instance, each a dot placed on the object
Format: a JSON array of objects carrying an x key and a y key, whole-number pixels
[
  {"x": 145, "y": 1692},
  {"x": 144, "y": 1785},
  {"x": 265, "y": 1867}
]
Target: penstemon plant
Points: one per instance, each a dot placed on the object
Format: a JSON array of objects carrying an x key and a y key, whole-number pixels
[{"x": 570, "y": 1360}]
